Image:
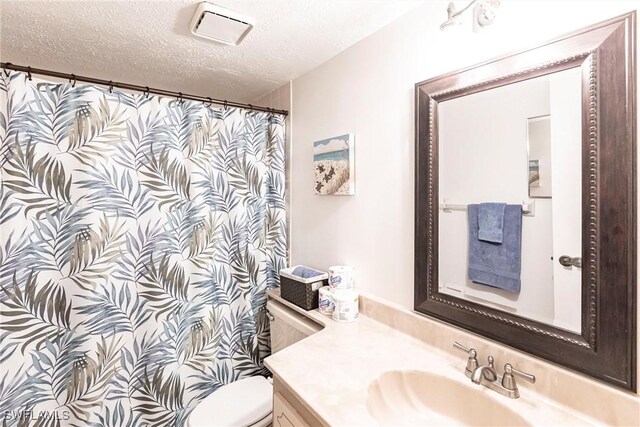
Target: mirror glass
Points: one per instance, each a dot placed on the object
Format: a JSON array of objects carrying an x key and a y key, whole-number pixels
[
  {"x": 510, "y": 194},
  {"x": 539, "y": 144}
]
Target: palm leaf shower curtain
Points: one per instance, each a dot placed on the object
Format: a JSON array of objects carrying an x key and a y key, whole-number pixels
[{"x": 138, "y": 237}]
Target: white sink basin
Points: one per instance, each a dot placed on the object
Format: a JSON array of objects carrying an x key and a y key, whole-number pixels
[{"x": 424, "y": 398}]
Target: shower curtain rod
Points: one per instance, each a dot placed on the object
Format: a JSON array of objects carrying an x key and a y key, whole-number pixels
[{"x": 145, "y": 89}]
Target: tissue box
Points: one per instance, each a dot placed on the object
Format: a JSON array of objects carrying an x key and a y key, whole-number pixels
[{"x": 299, "y": 291}]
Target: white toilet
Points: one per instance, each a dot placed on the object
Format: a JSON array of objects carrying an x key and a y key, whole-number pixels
[{"x": 249, "y": 402}]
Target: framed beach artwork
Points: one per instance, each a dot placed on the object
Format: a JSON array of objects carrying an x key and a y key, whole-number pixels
[
  {"x": 534, "y": 173},
  {"x": 333, "y": 162}
]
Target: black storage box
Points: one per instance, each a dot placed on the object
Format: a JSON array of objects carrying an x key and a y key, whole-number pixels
[{"x": 299, "y": 291}]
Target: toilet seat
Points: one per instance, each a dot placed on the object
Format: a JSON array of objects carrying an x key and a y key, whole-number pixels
[{"x": 246, "y": 402}]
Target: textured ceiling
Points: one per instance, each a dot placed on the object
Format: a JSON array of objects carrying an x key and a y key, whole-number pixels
[{"x": 149, "y": 43}]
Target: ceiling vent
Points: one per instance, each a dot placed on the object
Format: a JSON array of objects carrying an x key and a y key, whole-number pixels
[{"x": 220, "y": 25}]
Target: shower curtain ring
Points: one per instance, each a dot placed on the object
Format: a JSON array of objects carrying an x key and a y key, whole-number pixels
[
  {"x": 225, "y": 105},
  {"x": 72, "y": 80},
  {"x": 180, "y": 98},
  {"x": 29, "y": 72},
  {"x": 110, "y": 86},
  {"x": 146, "y": 92},
  {"x": 6, "y": 70}
]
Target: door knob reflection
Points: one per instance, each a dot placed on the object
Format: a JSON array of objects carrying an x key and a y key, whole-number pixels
[{"x": 568, "y": 261}]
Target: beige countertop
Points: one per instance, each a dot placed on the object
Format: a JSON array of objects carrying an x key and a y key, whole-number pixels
[{"x": 332, "y": 370}]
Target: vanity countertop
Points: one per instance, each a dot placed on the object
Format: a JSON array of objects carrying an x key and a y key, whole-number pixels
[{"x": 331, "y": 371}]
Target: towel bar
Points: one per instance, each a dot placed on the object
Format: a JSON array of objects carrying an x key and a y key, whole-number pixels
[{"x": 528, "y": 207}]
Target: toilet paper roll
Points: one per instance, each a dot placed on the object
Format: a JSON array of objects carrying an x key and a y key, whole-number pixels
[
  {"x": 341, "y": 277},
  {"x": 325, "y": 300},
  {"x": 347, "y": 307}
]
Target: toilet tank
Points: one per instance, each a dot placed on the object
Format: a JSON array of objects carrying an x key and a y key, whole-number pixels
[{"x": 288, "y": 326}]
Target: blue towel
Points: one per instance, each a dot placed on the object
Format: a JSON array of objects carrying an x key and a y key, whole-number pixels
[
  {"x": 490, "y": 222},
  {"x": 305, "y": 272},
  {"x": 497, "y": 264}
]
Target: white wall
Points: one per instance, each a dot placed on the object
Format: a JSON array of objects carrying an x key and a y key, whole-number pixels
[
  {"x": 369, "y": 90},
  {"x": 485, "y": 160}
]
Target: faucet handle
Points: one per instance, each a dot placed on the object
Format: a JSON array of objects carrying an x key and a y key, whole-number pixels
[
  {"x": 459, "y": 346},
  {"x": 508, "y": 380},
  {"x": 472, "y": 361},
  {"x": 490, "y": 359}
]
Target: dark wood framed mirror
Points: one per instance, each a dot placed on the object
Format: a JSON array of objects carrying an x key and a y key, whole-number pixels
[{"x": 600, "y": 339}]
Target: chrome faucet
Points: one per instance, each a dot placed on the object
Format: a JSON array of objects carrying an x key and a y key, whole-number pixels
[{"x": 486, "y": 374}]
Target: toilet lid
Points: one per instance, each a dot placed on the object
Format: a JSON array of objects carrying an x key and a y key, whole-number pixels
[{"x": 240, "y": 403}]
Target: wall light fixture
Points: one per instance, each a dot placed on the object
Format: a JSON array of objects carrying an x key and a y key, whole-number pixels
[{"x": 484, "y": 13}]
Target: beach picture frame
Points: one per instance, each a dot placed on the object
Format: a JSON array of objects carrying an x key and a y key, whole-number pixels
[
  {"x": 534, "y": 173},
  {"x": 333, "y": 165}
]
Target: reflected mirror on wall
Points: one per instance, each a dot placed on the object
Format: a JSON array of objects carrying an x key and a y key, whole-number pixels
[
  {"x": 539, "y": 144},
  {"x": 517, "y": 144}
]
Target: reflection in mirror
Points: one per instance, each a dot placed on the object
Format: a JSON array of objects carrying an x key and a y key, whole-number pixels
[
  {"x": 539, "y": 143},
  {"x": 504, "y": 153}
]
